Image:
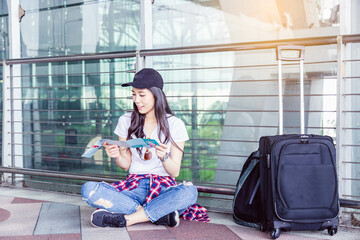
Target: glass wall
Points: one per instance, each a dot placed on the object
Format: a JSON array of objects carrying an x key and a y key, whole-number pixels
[
  {"x": 56, "y": 28},
  {"x": 4, "y": 36},
  {"x": 67, "y": 106},
  {"x": 185, "y": 23},
  {"x": 70, "y": 109},
  {"x": 4, "y": 53},
  {"x": 351, "y": 137},
  {"x": 351, "y": 111},
  {"x": 229, "y": 100}
]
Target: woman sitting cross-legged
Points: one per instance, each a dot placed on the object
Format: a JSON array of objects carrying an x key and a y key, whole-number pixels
[{"x": 149, "y": 192}]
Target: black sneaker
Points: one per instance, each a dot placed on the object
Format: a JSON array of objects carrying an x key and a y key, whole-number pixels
[
  {"x": 104, "y": 218},
  {"x": 171, "y": 220}
]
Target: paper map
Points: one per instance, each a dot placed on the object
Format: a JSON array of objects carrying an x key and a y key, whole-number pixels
[{"x": 132, "y": 143}]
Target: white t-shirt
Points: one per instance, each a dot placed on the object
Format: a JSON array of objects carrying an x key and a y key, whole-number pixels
[{"x": 153, "y": 166}]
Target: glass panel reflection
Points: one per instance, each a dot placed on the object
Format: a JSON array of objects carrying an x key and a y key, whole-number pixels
[
  {"x": 79, "y": 27},
  {"x": 68, "y": 110},
  {"x": 188, "y": 23},
  {"x": 4, "y": 33}
]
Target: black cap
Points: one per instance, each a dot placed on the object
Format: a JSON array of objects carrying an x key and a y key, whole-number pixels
[{"x": 146, "y": 78}]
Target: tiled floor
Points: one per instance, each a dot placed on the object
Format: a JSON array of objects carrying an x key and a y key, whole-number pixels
[{"x": 35, "y": 215}]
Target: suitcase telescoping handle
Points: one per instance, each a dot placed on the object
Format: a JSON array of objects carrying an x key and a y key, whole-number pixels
[{"x": 291, "y": 53}]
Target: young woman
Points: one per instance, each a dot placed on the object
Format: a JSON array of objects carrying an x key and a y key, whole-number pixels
[{"x": 149, "y": 192}]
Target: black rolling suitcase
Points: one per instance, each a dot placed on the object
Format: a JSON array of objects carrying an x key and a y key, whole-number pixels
[
  {"x": 298, "y": 180},
  {"x": 298, "y": 183}
]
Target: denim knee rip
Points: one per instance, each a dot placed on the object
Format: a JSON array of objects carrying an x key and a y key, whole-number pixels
[
  {"x": 187, "y": 183},
  {"x": 104, "y": 203},
  {"x": 90, "y": 193},
  {"x": 100, "y": 202}
]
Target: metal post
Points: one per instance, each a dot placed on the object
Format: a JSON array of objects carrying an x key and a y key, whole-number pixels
[
  {"x": 302, "y": 107},
  {"x": 6, "y": 138},
  {"x": 36, "y": 118},
  {"x": 14, "y": 108},
  {"x": 8, "y": 147},
  {"x": 344, "y": 154},
  {"x": 281, "y": 110},
  {"x": 139, "y": 61},
  {"x": 339, "y": 118},
  {"x": 145, "y": 33},
  {"x": 12, "y": 123}
]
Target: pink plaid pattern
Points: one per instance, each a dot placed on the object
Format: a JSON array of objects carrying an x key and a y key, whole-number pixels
[
  {"x": 196, "y": 213},
  {"x": 193, "y": 213}
]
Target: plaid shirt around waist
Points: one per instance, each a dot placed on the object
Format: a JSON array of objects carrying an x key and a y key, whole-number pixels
[{"x": 193, "y": 213}]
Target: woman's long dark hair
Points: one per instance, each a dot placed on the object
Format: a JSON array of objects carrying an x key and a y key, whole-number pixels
[{"x": 161, "y": 110}]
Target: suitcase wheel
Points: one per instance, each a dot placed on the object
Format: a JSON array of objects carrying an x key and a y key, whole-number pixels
[
  {"x": 332, "y": 231},
  {"x": 275, "y": 233},
  {"x": 262, "y": 228}
]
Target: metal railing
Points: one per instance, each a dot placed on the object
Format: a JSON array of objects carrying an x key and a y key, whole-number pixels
[
  {"x": 159, "y": 52},
  {"x": 316, "y": 41},
  {"x": 205, "y": 189}
]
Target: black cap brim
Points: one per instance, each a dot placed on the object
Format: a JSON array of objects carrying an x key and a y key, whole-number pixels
[
  {"x": 126, "y": 84},
  {"x": 135, "y": 85}
]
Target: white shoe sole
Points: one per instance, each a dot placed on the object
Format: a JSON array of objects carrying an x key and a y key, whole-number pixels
[{"x": 177, "y": 217}]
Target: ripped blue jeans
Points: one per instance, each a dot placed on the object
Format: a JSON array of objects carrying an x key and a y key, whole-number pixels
[{"x": 105, "y": 196}]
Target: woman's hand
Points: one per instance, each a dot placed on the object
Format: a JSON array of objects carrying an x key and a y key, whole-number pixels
[
  {"x": 173, "y": 162},
  {"x": 121, "y": 155},
  {"x": 112, "y": 151},
  {"x": 161, "y": 150}
]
